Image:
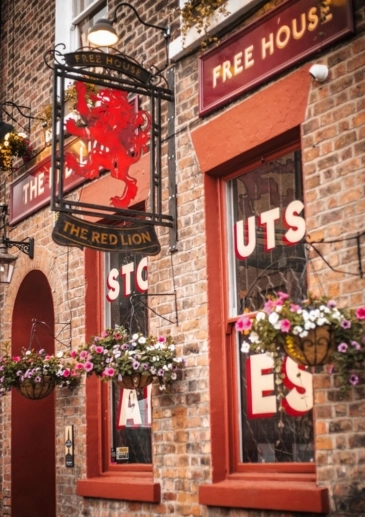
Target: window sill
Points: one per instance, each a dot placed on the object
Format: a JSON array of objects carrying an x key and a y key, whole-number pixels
[
  {"x": 121, "y": 488},
  {"x": 273, "y": 492}
]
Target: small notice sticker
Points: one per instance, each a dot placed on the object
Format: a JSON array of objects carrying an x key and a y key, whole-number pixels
[{"x": 122, "y": 453}]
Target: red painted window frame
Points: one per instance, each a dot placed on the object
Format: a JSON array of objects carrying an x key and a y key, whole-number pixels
[
  {"x": 286, "y": 487},
  {"x": 103, "y": 480}
]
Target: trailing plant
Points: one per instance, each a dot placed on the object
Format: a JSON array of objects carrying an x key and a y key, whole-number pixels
[
  {"x": 198, "y": 14},
  {"x": 14, "y": 145}
]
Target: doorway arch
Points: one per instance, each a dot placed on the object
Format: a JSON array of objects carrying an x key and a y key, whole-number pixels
[{"x": 33, "y": 449}]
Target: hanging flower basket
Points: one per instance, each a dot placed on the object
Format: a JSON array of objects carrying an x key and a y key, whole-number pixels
[
  {"x": 35, "y": 390},
  {"x": 34, "y": 373},
  {"x": 135, "y": 381},
  {"x": 313, "y": 350},
  {"x": 130, "y": 360},
  {"x": 312, "y": 332}
]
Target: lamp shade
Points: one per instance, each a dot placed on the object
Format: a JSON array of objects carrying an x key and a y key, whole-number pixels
[
  {"x": 7, "y": 263},
  {"x": 102, "y": 34}
]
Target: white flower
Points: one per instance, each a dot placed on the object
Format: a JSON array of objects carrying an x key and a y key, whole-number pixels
[
  {"x": 254, "y": 337},
  {"x": 308, "y": 325},
  {"x": 278, "y": 308},
  {"x": 273, "y": 318},
  {"x": 59, "y": 354},
  {"x": 135, "y": 337},
  {"x": 172, "y": 347},
  {"x": 245, "y": 347},
  {"x": 142, "y": 340},
  {"x": 322, "y": 321},
  {"x": 173, "y": 376},
  {"x": 260, "y": 316},
  {"x": 297, "y": 330},
  {"x": 304, "y": 333}
]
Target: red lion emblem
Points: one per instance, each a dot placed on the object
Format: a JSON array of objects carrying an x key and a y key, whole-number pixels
[{"x": 119, "y": 135}]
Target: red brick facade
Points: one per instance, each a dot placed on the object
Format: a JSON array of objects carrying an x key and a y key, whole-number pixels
[{"x": 330, "y": 119}]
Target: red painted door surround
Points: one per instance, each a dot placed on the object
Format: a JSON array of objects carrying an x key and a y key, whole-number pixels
[{"x": 33, "y": 453}]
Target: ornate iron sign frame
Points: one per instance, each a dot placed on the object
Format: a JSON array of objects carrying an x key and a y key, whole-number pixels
[{"x": 118, "y": 72}]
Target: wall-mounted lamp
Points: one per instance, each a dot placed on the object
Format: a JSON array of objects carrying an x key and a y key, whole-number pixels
[
  {"x": 103, "y": 34},
  {"x": 7, "y": 261}
]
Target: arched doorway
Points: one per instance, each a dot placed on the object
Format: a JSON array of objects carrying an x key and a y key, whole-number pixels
[{"x": 33, "y": 453}]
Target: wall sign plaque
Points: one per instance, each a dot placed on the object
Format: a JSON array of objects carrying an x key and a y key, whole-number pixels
[{"x": 286, "y": 35}]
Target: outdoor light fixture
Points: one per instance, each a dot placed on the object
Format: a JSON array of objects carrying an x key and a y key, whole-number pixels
[
  {"x": 103, "y": 34},
  {"x": 7, "y": 261}
]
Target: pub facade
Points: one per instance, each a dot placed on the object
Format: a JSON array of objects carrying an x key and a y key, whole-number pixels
[{"x": 169, "y": 184}]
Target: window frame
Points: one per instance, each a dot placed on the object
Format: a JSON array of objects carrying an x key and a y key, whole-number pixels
[
  {"x": 102, "y": 479},
  {"x": 236, "y": 484}
]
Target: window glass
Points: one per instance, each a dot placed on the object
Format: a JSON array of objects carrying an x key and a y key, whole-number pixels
[
  {"x": 131, "y": 409},
  {"x": 261, "y": 262},
  {"x": 91, "y": 15}
]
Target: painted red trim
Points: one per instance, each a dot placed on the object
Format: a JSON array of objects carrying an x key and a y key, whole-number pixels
[
  {"x": 265, "y": 125},
  {"x": 131, "y": 482},
  {"x": 274, "y": 494},
  {"x": 128, "y": 489}
]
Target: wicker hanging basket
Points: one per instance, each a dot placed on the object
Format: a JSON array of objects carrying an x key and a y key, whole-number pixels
[
  {"x": 135, "y": 381},
  {"x": 36, "y": 390},
  {"x": 314, "y": 350}
]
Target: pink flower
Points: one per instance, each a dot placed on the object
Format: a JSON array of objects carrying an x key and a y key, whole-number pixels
[
  {"x": 83, "y": 354},
  {"x": 88, "y": 366},
  {"x": 161, "y": 339},
  {"x": 99, "y": 349},
  {"x": 66, "y": 372},
  {"x": 16, "y": 359},
  {"x": 79, "y": 366},
  {"x": 360, "y": 313},
  {"x": 285, "y": 325},
  {"x": 243, "y": 323},
  {"x": 104, "y": 334},
  {"x": 108, "y": 372},
  {"x": 269, "y": 306},
  {"x": 283, "y": 296},
  {"x": 73, "y": 353},
  {"x": 294, "y": 307}
]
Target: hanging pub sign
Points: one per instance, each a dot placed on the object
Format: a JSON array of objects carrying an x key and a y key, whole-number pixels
[
  {"x": 136, "y": 237},
  {"x": 118, "y": 134},
  {"x": 286, "y": 35}
]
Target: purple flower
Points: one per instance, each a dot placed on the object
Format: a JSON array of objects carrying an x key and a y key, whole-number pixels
[
  {"x": 161, "y": 372},
  {"x": 354, "y": 379},
  {"x": 135, "y": 365},
  {"x": 38, "y": 379},
  {"x": 124, "y": 347},
  {"x": 356, "y": 345},
  {"x": 145, "y": 366},
  {"x": 331, "y": 304},
  {"x": 342, "y": 347},
  {"x": 346, "y": 324}
]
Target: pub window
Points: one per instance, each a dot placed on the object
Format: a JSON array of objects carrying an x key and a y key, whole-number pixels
[
  {"x": 271, "y": 434},
  {"x": 85, "y": 14},
  {"x": 129, "y": 433}
]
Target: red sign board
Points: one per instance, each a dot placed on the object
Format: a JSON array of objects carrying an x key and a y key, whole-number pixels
[
  {"x": 285, "y": 36},
  {"x": 32, "y": 191}
]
